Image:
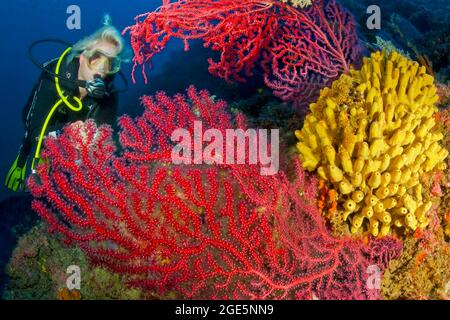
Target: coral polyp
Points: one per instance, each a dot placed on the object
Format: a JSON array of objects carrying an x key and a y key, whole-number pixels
[
  {"x": 308, "y": 157},
  {"x": 371, "y": 136}
]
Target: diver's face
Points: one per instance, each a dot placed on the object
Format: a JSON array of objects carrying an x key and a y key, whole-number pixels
[{"x": 97, "y": 64}]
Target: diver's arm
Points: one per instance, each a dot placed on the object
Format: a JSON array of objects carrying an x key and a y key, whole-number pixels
[
  {"x": 43, "y": 101},
  {"x": 30, "y": 99},
  {"x": 32, "y": 114},
  {"x": 36, "y": 110}
]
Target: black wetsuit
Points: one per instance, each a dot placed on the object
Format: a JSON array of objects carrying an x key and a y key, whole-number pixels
[{"x": 44, "y": 96}]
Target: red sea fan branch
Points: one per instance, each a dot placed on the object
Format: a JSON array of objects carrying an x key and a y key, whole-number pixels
[
  {"x": 299, "y": 50},
  {"x": 233, "y": 27},
  {"x": 203, "y": 231},
  {"x": 312, "y": 50}
]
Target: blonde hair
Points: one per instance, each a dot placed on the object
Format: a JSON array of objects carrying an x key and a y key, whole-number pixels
[{"x": 107, "y": 33}]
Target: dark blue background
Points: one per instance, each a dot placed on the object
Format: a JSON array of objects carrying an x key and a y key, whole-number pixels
[{"x": 24, "y": 21}]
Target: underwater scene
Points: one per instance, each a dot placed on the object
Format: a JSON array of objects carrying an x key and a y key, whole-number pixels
[{"x": 225, "y": 150}]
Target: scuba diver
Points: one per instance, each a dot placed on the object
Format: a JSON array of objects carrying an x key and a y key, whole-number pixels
[{"x": 76, "y": 86}]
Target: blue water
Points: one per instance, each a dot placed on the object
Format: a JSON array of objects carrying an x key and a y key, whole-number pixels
[
  {"x": 25, "y": 21},
  {"x": 22, "y": 22}
]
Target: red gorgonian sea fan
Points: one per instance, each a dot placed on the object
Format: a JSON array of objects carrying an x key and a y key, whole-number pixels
[
  {"x": 299, "y": 50},
  {"x": 202, "y": 231}
]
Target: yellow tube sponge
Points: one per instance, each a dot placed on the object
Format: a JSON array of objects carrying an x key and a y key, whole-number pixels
[{"x": 371, "y": 136}]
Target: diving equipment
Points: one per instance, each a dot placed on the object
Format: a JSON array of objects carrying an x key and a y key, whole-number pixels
[
  {"x": 97, "y": 88},
  {"x": 63, "y": 99},
  {"x": 15, "y": 179},
  {"x": 78, "y": 83},
  {"x": 99, "y": 60}
]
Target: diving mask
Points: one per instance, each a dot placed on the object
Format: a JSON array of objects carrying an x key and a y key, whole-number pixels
[{"x": 101, "y": 61}]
